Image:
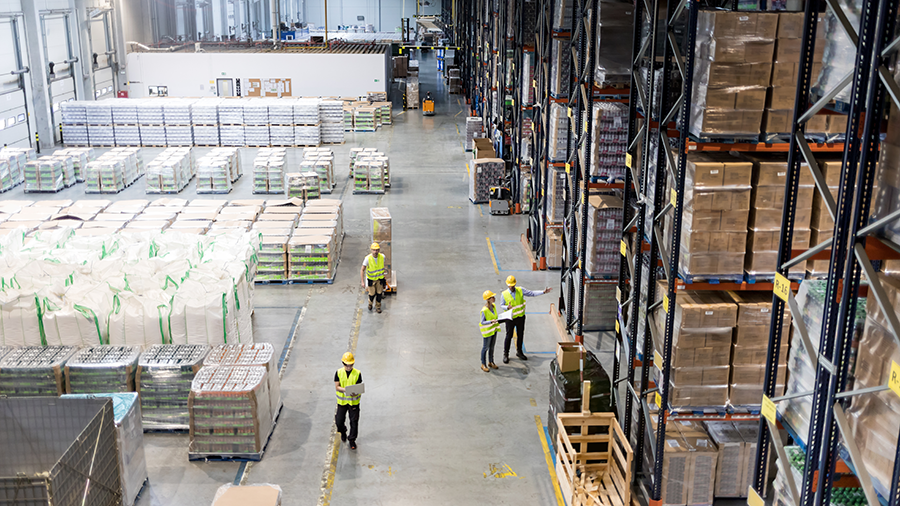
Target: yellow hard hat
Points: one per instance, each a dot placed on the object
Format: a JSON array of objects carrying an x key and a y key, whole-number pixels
[
  {"x": 348, "y": 358},
  {"x": 487, "y": 294},
  {"x": 511, "y": 281},
  {"x": 375, "y": 246}
]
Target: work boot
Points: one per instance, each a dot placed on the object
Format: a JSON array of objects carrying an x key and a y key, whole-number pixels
[
  {"x": 521, "y": 356},
  {"x": 352, "y": 445},
  {"x": 505, "y": 359},
  {"x": 378, "y": 307},
  {"x": 493, "y": 366},
  {"x": 343, "y": 437},
  {"x": 484, "y": 368},
  {"x": 370, "y": 305}
]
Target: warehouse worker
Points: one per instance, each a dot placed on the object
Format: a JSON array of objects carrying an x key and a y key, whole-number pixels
[
  {"x": 489, "y": 327},
  {"x": 344, "y": 377},
  {"x": 371, "y": 276},
  {"x": 514, "y": 298}
]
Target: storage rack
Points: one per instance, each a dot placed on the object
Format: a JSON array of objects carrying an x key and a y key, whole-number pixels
[{"x": 851, "y": 252}]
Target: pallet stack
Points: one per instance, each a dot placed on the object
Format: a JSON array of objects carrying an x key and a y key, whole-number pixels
[
  {"x": 601, "y": 261},
  {"x": 74, "y": 124},
  {"x": 368, "y": 176},
  {"x": 256, "y": 122},
  {"x": 125, "y": 123},
  {"x": 151, "y": 120},
  {"x": 164, "y": 376},
  {"x": 177, "y": 118},
  {"x": 171, "y": 171},
  {"x": 215, "y": 171},
  {"x": 44, "y": 175},
  {"x": 485, "y": 173},
  {"x": 281, "y": 122},
  {"x": 314, "y": 249},
  {"x": 80, "y": 157},
  {"x": 205, "y": 121},
  {"x": 102, "y": 369},
  {"x": 250, "y": 355},
  {"x": 323, "y": 164},
  {"x": 302, "y": 185},
  {"x": 16, "y": 158},
  {"x": 381, "y": 233},
  {"x": 35, "y": 371},
  {"x": 268, "y": 171},
  {"x": 231, "y": 122},
  {"x": 100, "y": 125},
  {"x": 331, "y": 114}
]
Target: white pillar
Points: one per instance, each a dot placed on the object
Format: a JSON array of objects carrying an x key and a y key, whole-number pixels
[{"x": 37, "y": 63}]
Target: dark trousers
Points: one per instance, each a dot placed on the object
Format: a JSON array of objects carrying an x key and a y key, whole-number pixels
[
  {"x": 341, "y": 414},
  {"x": 519, "y": 325},
  {"x": 488, "y": 349},
  {"x": 376, "y": 289}
]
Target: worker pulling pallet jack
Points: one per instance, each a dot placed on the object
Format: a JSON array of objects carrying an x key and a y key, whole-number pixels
[{"x": 371, "y": 276}]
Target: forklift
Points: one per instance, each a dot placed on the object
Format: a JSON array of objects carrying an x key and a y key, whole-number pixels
[{"x": 428, "y": 105}]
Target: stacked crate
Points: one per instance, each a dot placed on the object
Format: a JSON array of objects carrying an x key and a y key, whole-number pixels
[
  {"x": 734, "y": 64},
  {"x": 216, "y": 170},
  {"x": 33, "y": 371},
  {"x": 230, "y": 414},
  {"x": 821, "y": 222},
  {"x": 164, "y": 376},
  {"x": 331, "y": 115},
  {"x": 177, "y": 118},
  {"x": 268, "y": 171},
  {"x": 231, "y": 122},
  {"x": 302, "y": 185},
  {"x": 249, "y": 355},
  {"x": 151, "y": 120},
  {"x": 125, "y": 122},
  {"x": 602, "y": 256},
  {"x": 256, "y": 122},
  {"x": 100, "y": 125},
  {"x": 716, "y": 210},
  {"x": 171, "y": 171},
  {"x": 749, "y": 346},
  {"x": 74, "y": 124},
  {"x": 102, "y": 369},
  {"x": 767, "y": 208},
  {"x": 205, "y": 121},
  {"x": 44, "y": 175},
  {"x": 701, "y": 347}
]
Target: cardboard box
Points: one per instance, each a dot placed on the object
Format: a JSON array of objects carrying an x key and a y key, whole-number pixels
[
  {"x": 756, "y": 355},
  {"x": 755, "y": 374},
  {"x": 749, "y": 395},
  {"x": 734, "y": 221},
  {"x": 246, "y": 495},
  {"x": 788, "y": 50},
  {"x": 713, "y": 242},
  {"x": 757, "y": 336},
  {"x": 777, "y": 121},
  {"x": 704, "y": 456},
  {"x": 719, "y": 199},
  {"x": 731, "y": 50},
  {"x": 711, "y": 356},
  {"x": 700, "y": 376},
  {"x": 771, "y": 170},
  {"x": 747, "y": 25},
  {"x": 676, "y": 461},
  {"x": 781, "y": 97},
  {"x": 770, "y": 219},
  {"x": 703, "y": 310},
  {"x": 736, "y": 98},
  {"x": 697, "y": 396},
  {"x": 725, "y": 75},
  {"x": 729, "y": 471},
  {"x": 484, "y": 148},
  {"x": 754, "y": 308},
  {"x": 772, "y": 197},
  {"x": 769, "y": 240},
  {"x": 568, "y": 356},
  {"x": 725, "y": 121},
  {"x": 766, "y": 262}
]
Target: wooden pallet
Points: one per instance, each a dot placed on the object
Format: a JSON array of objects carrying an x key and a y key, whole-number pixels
[{"x": 591, "y": 473}]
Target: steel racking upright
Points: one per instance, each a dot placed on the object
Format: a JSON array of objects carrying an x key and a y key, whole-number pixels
[{"x": 851, "y": 252}]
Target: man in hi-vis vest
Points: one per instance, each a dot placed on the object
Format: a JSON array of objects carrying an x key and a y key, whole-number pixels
[
  {"x": 347, "y": 403},
  {"x": 371, "y": 276},
  {"x": 514, "y": 298}
]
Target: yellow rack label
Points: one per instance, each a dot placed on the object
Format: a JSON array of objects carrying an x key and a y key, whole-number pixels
[
  {"x": 768, "y": 409},
  {"x": 568, "y": 167},
  {"x": 894, "y": 378},
  {"x": 673, "y": 197},
  {"x": 623, "y": 248},
  {"x": 753, "y": 499},
  {"x": 618, "y": 330},
  {"x": 782, "y": 287},
  {"x": 628, "y": 160},
  {"x": 657, "y": 359},
  {"x": 666, "y": 303},
  {"x": 657, "y": 399},
  {"x": 618, "y": 295}
]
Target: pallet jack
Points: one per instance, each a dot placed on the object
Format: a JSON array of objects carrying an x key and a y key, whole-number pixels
[{"x": 500, "y": 200}]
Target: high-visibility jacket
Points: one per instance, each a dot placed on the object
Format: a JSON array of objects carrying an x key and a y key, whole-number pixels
[
  {"x": 488, "y": 329},
  {"x": 375, "y": 267},
  {"x": 346, "y": 380},
  {"x": 516, "y": 303}
]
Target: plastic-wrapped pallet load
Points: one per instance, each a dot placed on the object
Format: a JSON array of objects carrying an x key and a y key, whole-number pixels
[
  {"x": 838, "y": 55},
  {"x": 556, "y": 195},
  {"x": 273, "y": 258},
  {"x": 749, "y": 346},
  {"x": 734, "y": 63},
  {"x": 348, "y": 118},
  {"x": 381, "y": 233},
  {"x": 130, "y": 441},
  {"x": 303, "y": 185},
  {"x": 412, "y": 91},
  {"x": 307, "y": 135},
  {"x": 364, "y": 119},
  {"x": 331, "y": 113},
  {"x": 80, "y": 157},
  {"x": 17, "y": 158},
  {"x": 75, "y": 462},
  {"x": 822, "y": 224},
  {"x": 840, "y": 496},
  {"x": 604, "y": 230},
  {"x": 615, "y": 25},
  {"x": 610, "y": 135},
  {"x": 163, "y": 380},
  {"x": 171, "y": 171},
  {"x": 887, "y": 196},
  {"x": 102, "y": 369},
  {"x": 44, "y": 175},
  {"x": 33, "y": 371},
  {"x": 215, "y": 172},
  {"x": 474, "y": 128},
  {"x": 312, "y": 257},
  {"x": 560, "y": 60},
  {"x": 559, "y": 131},
  {"x": 368, "y": 176},
  {"x": 306, "y": 111},
  {"x": 268, "y": 173},
  {"x": 240, "y": 428},
  {"x": 485, "y": 173},
  {"x": 259, "y": 354}
]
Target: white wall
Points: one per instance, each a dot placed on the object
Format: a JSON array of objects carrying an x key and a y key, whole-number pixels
[
  {"x": 384, "y": 14},
  {"x": 195, "y": 74}
]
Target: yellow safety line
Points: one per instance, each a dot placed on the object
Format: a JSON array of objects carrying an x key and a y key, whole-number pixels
[
  {"x": 455, "y": 115},
  {"x": 540, "y": 428},
  {"x": 491, "y": 250},
  {"x": 480, "y": 212}
]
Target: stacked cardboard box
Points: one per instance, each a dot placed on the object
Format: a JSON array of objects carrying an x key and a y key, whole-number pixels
[
  {"x": 312, "y": 254},
  {"x": 554, "y": 247},
  {"x": 600, "y": 306},
  {"x": 604, "y": 233},
  {"x": 873, "y": 418},
  {"x": 164, "y": 376},
  {"x": 714, "y": 223},
  {"x": 750, "y": 346},
  {"x": 485, "y": 173},
  {"x": 689, "y": 465},
  {"x": 734, "y": 64},
  {"x": 822, "y": 223},
  {"x": 381, "y": 233},
  {"x": 767, "y": 207},
  {"x": 736, "y": 443},
  {"x": 368, "y": 175},
  {"x": 230, "y": 412},
  {"x": 701, "y": 347},
  {"x": 302, "y": 185},
  {"x": 102, "y": 369},
  {"x": 35, "y": 371},
  {"x": 259, "y": 354},
  {"x": 474, "y": 128},
  {"x": 171, "y": 171},
  {"x": 887, "y": 196}
]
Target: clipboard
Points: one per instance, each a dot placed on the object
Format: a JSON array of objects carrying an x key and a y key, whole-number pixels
[
  {"x": 506, "y": 315},
  {"x": 359, "y": 388}
]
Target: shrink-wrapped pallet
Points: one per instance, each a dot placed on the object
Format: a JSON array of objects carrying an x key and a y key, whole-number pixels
[
  {"x": 102, "y": 369},
  {"x": 35, "y": 371},
  {"x": 485, "y": 173},
  {"x": 229, "y": 412},
  {"x": 559, "y": 132},
  {"x": 259, "y": 354},
  {"x": 604, "y": 231},
  {"x": 556, "y": 195},
  {"x": 560, "y": 61}
]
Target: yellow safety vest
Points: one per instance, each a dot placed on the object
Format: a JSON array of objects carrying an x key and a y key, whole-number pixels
[
  {"x": 517, "y": 303},
  {"x": 375, "y": 269},
  {"x": 488, "y": 329},
  {"x": 346, "y": 381}
]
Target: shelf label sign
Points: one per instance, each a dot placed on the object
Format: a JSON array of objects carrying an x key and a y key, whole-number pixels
[
  {"x": 768, "y": 409},
  {"x": 568, "y": 167},
  {"x": 570, "y": 112},
  {"x": 628, "y": 160},
  {"x": 657, "y": 359},
  {"x": 894, "y": 378},
  {"x": 753, "y": 499},
  {"x": 657, "y": 399},
  {"x": 623, "y": 248},
  {"x": 618, "y": 330},
  {"x": 782, "y": 287},
  {"x": 673, "y": 197},
  {"x": 618, "y": 295},
  {"x": 666, "y": 303}
]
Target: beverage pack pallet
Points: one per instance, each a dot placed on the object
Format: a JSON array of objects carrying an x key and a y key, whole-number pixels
[
  {"x": 332, "y": 143},
  {"x": 237, "y": 457},
  {"x": 326, "y": 281},
  {"x": 268, "y": 193},
  {"x": 368, "y": 192}
]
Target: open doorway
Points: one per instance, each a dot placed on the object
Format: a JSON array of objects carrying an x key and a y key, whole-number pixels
[{"x": 225, "y": 87}]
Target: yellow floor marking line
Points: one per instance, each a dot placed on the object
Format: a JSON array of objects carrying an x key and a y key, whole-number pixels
[
  {"x": 540, "y": 428},
  {"x": 500, "y": 471},
  {"x": 457, "y": 115},
  {"x": 533, "y": 403},
  {"x": 334, "y": 446},
  {"x": 481, "y": 213},
  {"x": 491, "y": 250}
]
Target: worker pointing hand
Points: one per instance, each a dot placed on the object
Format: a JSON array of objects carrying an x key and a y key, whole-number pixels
[{"x": 514, "y": 299}]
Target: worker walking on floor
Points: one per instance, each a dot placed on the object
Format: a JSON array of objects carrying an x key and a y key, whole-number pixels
[
  {"x": 347, "y": 403},
  {"x": 514, "y": 298},
  {"x": 371, "y": 276},
  {"x": 489, "y": 327}
]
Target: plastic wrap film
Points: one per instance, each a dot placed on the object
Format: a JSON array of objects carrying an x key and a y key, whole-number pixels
[
  {"x": 164, "y": 376},
  {"x": 306, "y": 111},
  {"x": 615, "y": 27},
  {"x": 229, "y": 411},
  {"x": 560, "y": 61},
  {"x": 101, "y": 369},
  {"x": 839, "y": 56},
  {"x": 801, "y": 373},
  {"x": 873, "y": 417},
  {"x": 259, "y": 354},
  {"x": 170, "y": 171},
  {"x": 701, "y": 347},
  {"x": 734, "y": 53},
  {"x": 887, "y": 193},
  {"x": 16, "y": 158},
  {"x": 559, "y": 133},
  {"x": 474, "y": 128},
  {"x": 44, "y": 175},
  {"x": 382, "y": 228},
  {"x": 485, "y": 173},
  {"x": 129, "y": 288},
  {"x": 603, "y": 237},
  {"x": 257, "y": 493},
  {"x": 130, "y": 441},
  {"x": 840, "y": 496},
  {"x": 689, "y": 465},
  {"x": 35, "y": 371},
  {"x": 76, "y": 460},
  {"x": 610, "y": 139},
  {"x": 368, "y": 175},
  {"x": 736, "y": 443},
  {"x": 268, "y": 170},
  {"x": 80, "y": 157},
  {"x": 303, "y": 185},
  {"x": 562, "y": 15},
  {"x": 313, "y": 254},
  {"x": 749, "y": 349},
  {"x": 556, "y": 195},
  {"x": 600, "y": 307}
]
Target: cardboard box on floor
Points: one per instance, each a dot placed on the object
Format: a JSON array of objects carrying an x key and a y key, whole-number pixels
[{"x": 248, "y": 495}]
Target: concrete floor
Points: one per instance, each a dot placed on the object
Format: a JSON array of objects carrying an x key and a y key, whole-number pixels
[{"x": 434, "y": 428}]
